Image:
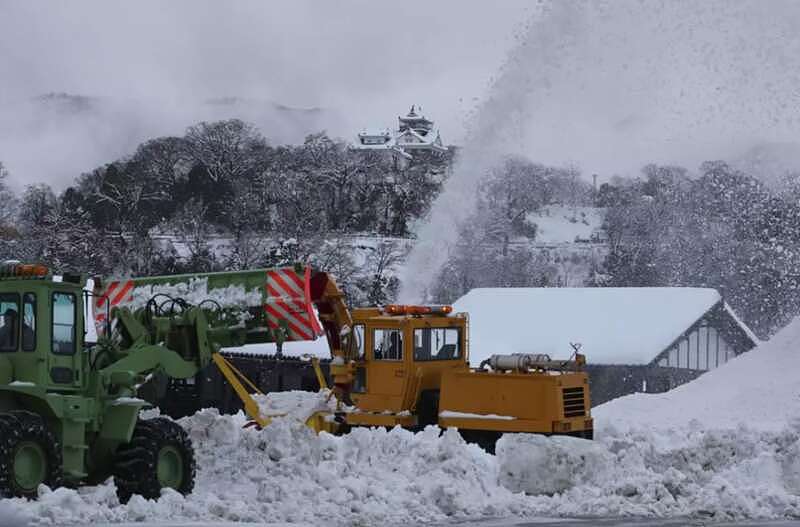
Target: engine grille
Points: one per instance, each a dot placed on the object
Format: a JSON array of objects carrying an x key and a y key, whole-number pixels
[{"x": 573, "y": 402}]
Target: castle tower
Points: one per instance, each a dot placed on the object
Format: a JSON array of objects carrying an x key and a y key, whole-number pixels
[
  {"x": 414, "y": 132},
  {"x": 416, "y": 122}
]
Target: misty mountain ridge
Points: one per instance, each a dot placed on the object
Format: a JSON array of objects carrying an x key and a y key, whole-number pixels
[
  {"x": 62, "y": 101},
  {"x": 56, "y": 136}
]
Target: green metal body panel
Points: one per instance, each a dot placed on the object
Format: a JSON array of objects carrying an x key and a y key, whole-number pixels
[
  {"x": 87, "y": 394},
  {"x": 227, "y": 327},
  {"x": 86, "y": 397}
]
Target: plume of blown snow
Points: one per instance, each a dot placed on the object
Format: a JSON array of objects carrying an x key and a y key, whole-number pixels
[
  {"x": 497, "y": 124},
  {"x": 611, "y": 86}
]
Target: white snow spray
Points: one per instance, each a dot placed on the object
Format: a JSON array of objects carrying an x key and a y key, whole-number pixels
[{"x": 609, "y": 86}]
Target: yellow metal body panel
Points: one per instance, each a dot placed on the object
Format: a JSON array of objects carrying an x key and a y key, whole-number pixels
[
  {"x": 498, "y": 425},
  {"x": 524, "y": 401},
  {"x": 394, "y": 385},
  {"x": 534, "y": 400},
  {"x": 394, "y": 382},
  {"x": 322, "y": 422},
  {"x": 230, "y": 373},
  {"x": 323, "y": 383},
  {"x": 389, "y": 420},
  {"x": 575, "y": 424}
]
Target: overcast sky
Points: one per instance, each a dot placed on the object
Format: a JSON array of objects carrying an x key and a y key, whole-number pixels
[
  {"x": 605, "y": 85},
  {"x": 362, "y": 57}
]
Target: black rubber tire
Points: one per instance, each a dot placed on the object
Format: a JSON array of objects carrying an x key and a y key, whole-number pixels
[
  {"x": 135, "y": 463},
  {"x": 20, "y": 426}
]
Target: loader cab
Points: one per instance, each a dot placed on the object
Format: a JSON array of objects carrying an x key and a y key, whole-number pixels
[
  {"x": 41, "y": 329},
  {"x": 403, "y": 352}
]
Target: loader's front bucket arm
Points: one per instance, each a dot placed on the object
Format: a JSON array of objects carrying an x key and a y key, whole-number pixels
[
  {"x": 274, "y": 304},
  {"x": 243, "y": 307}
]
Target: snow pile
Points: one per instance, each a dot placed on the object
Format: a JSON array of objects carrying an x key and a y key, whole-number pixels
[
  {"x": 759, "y": 389},
  {"x": 286, "y": 473},
  {"x": 296, "y": 404},
  {"x": 726, "y": 446},
  {"x": 715, "y": 474}
]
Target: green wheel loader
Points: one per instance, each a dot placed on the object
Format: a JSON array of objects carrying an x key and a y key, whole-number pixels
[{"x": 69, "y": 412}]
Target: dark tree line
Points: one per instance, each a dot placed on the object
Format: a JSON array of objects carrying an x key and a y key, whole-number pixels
[
  {"x": 722, "y": 229},
  {"x": 718, "y": 228},
  {"x": 239, "y": 183},
  {"x": 220, "y": 178}
]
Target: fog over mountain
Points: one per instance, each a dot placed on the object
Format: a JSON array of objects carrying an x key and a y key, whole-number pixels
[
  {"x": 149, "y": 68},
  {"x": 630, "y": 83},
  {"x": 56, "y": 136}
]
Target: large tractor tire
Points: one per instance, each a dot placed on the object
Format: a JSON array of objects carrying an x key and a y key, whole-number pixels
[
  {"x": 30, "y": 455},
  {"x": 160, "y": 455}
]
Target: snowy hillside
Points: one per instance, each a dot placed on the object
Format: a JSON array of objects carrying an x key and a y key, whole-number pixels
[
  {"x": 563, "y": 224},
  {"x": 571, "y": 240}
]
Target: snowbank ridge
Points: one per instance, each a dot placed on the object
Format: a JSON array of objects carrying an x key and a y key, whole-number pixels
[
  {"x": 286, "y": 473},
  {"x": 716, "y": 448}
]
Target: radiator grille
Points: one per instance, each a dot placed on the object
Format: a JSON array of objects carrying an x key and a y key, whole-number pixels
[{"x": 573, "y": 402}]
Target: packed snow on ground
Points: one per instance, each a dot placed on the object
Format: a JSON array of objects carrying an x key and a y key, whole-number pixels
[
  {"x": 726, "y": 446},
  {"x": 614, "y": 325}
]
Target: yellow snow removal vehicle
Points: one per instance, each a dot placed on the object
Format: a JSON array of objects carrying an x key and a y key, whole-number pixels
[{"x": 395, "y": 365}]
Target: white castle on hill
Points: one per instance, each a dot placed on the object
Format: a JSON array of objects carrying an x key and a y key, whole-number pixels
[{"x": 414, "y": 132}]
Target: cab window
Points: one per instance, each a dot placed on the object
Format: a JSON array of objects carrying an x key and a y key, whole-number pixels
[
  {"x": 63, "y": 323},
  {"x": 387, "y": 344},
  {"x": 9, "y": 322},
  {"x": 29, "y": 322},
  {"x": 437, "y": 344},
  {"x": 358, "y": 335}
]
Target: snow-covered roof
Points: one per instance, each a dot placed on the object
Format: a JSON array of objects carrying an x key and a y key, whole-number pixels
[
  {"x": 375, "y": 132},
  {"x": 416, "y": 119},
  {"x": 389, "y": 145},
  {"x": 430, "y": 140},
  {"x": 628, "y": 325}
]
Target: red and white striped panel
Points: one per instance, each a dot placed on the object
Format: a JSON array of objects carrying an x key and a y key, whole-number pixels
[
  {"x": 112, "y": 295},
  {"x": 289, "y": 299}
]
